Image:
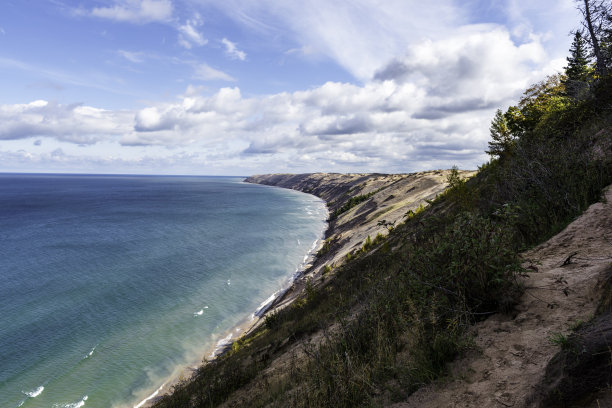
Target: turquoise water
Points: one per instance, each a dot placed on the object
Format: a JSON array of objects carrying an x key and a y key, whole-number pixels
[{"x": 109, "y": 283}]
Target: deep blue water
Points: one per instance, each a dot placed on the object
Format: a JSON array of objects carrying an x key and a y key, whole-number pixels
[{"x": 109, "y": 283}]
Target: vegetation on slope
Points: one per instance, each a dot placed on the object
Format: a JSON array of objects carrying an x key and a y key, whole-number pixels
[
  {"x": 392, "y": 317},
  {"x": 352, "y": 202}
]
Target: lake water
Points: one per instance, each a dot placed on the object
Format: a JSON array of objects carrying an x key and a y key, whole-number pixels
[{"x": 109, "y": 283}]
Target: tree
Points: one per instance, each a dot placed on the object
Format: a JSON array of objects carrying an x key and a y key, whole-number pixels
[
  {"x": 577, "y": 70},
  {"x": 541, "y": 100},
  {"x": 503, "y": 140},
  {"x": 597, "y": 21},
  {"x": 578, "y": 62}
]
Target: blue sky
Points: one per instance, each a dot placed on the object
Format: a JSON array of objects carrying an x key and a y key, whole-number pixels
[{"x": 242, "y": 86}]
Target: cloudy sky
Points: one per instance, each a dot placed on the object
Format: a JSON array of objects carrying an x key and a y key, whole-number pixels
[{"x": 238, "y": 87}]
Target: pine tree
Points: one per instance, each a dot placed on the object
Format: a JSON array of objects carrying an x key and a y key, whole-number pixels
[
  {"x": 578, "y": 62},
  {"x": 577, "y": 70},
  {"x": 503, "y": 140}
]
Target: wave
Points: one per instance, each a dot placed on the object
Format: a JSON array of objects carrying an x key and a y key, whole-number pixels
[
  {"x": 31, "y": 394},
  {"x": 222, "y": 345},
  {"x": 77, "y": 404},
  {"x": 34, "y": 393},
  {"x": 150, "y": 397},
  {"x": 199, "y": 312},
  {"x": 88, "y": 355},
  {"x": 266, "y": 304}
]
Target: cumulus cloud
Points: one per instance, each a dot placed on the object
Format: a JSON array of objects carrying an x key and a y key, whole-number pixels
[
  {"x": 430, "y": 107},
  {"x": 136, "y": 11},
  {"x": 232, "y": 50},
  {"x": 189, "y": 35},
  {"x": 71, "y": 123}
]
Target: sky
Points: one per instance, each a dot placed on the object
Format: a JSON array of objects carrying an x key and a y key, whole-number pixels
[{"x": 241, "y": 87}]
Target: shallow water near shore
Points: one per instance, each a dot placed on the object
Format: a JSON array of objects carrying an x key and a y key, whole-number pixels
[{"x": 109, "y": 283}]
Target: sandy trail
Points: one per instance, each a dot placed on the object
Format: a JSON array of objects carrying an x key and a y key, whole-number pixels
[{"x": 512, "y": 351}]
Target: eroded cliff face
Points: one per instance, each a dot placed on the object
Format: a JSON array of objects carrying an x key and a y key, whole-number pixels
[{"x": 381, "y": 201}]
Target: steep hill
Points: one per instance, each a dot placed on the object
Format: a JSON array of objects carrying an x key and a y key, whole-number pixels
[{"x": 361, "y": 205}]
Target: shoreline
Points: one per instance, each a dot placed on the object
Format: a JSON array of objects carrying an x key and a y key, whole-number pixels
[
  {"x": 244, "y": 327},
  {"x": 342, "y": 236}
]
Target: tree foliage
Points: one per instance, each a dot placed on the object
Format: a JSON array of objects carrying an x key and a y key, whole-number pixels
[
  {"x": 539, "y": 101},
  {"x": 502, "y": 138},
  {"x": 577, "y": 70}
]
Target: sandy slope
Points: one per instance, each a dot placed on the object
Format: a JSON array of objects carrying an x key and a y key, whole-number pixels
[
  {"x": 513, "y": 351},
  {"x": 392, "y": 196}
]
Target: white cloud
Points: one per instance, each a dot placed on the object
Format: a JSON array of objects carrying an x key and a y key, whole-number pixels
[
  {"x": 2, "y": 31},
  {"x": 303, "y": 51},
  {"x": 207, "y": 73},
  {"x": 426, "y": 98},
  {"x": 430, "y": 108},
  {"x": 232, "y": 50},
  {"x": 135, "y": 57},
  {"x": 189, "y": 34},
  {"x": 136, "y": 11},
  {"x": 360, "y": 35},
  {"x": 71, "y": 123}
]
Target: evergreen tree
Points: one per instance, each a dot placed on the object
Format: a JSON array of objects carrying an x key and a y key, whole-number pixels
[
  {"x": 503, "y": 140},
  {"x": 578, "y": 62},
  {"x": 577, "y": 70}
]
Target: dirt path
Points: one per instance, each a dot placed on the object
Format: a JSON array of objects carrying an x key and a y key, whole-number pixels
[{"x": 514, "y": 350}]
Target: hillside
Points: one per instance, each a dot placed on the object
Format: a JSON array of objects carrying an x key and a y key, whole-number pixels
[
  {"x": 377, "y": 202},
  {"x": 403, "y": 297},
  {"x": 516, "y": 360}
]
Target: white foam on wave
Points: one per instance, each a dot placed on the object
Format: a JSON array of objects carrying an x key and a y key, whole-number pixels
[
  {"x": 265, "y": 305},
  {"x": 34, "y": 393},
  {"x": 91, "y": 352},
  {"x": 31, "y": 394},
  {"x": 77, "y": 404},
  {"x": 150, "y": 397},
  {"x": 314, "y": 245},
  {"x": 229, "y": 282},
  {"x": 199, "y": 312},
  {"x": 221, "y": 344}
]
